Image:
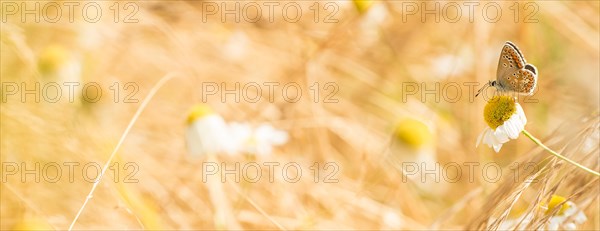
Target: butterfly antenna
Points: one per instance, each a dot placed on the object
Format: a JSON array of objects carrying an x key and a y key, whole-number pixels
[{"x": 482, "y": 88}]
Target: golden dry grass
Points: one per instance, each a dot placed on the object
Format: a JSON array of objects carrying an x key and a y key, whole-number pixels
[{"x": 368, "y": 60}]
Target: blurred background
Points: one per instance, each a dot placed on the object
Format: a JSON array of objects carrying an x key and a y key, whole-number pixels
[{"x": 372, "y": 63}]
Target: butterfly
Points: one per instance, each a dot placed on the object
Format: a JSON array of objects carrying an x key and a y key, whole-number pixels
[{"x": 513, "y": 74}]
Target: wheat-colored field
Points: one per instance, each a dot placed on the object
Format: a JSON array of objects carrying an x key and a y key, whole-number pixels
[{"x": 361, "y": 89}]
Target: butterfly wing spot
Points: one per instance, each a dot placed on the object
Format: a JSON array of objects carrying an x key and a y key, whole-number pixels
[
  {"x": 527, "y": 84},
  {"x": 515, "y": 48},
  {"x": 514, "y": 54}
]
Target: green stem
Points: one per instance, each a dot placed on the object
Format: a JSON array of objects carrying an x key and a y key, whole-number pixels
[{"x": 538, "y": 142}]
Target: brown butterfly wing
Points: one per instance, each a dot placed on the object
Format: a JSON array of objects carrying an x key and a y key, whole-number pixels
[
  {"x": 510, "y": 61},
  {"x": 527, "y": 80},
  {"x": 521, "y": 81}
]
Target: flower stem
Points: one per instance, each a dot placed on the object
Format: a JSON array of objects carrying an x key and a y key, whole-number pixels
[{"x": 538, "y": 142}]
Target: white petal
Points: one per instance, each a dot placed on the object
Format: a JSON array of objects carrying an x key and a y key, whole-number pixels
[
  {"x": 264, "y": 137},
  {"x": 240, "y": 135},
  {"x": 501, "y": 134},
  {"x": 497, "y": 147},
  {"x": 570, "y": 226},
  {"x": 280, "y": 137},
  {"x": 580, "y": 218},
  {"x": 488, "y": 138},
  {"x": 481, "y": 137},
  {"x": 511, "y": 128},
  {"x": 520, "y": 124},
  {"x": 193, "y": 142},
  {"x": 209, "y": 134},
  {"x": 521, "y": 114},
  {"x": 571, "y": 210},
  {"x": 553, "y": 224}
]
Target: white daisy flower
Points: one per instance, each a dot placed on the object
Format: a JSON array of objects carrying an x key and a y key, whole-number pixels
[
  {"x": 265, "y": 137},
  {"x": 568, "y": 215},
  {"x": 412, "y": 151},
  {"x": 57, "y": 63},
  {"x": 236, "y": 46},
  {"x": 412, "y": 143},
  {"x": 207, "y": 132},
  {"x": 505, "y": 119},
  {"x": 362, "y": 5},
  {"x": 260, "y": 140},
  {"x": 391, "y": 220},
  {"x": 520, "y": 223},
  {"x": 240, "y": 134}
]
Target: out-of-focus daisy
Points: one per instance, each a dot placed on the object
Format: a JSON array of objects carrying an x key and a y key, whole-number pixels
[
  {"x": 412, "y": 142},
  {"x": 207, "y": 132},
  {"x": 259, "y": 141},
  {"x": 265, "y": 137},
  {"x": 362, "y": 6},
  {"x": 58, "y": 64},
  {"x": 412, "y": 151},
  {"x": 413, "y": 133},
  {"x": 568, "y": 215},
  {"x": 450, "y": 64},
  {"x": 519, "y": 218},
  {"x": 236, "y": 46},
  {"x": 505, "y": 119},
  {"x": 391, "y": 220},
  {"x": 373, "y": 15}
]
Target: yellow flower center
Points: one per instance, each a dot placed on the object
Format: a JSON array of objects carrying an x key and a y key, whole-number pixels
[
  {"x": 555, "y": 201},
  {"x": 498, "y": 110},
  {"x": 362, "y": 5},
  {"x": 413, "y": 133},
  {"x": 51, "y": 59},
  {"x": 198, "y": 111}
]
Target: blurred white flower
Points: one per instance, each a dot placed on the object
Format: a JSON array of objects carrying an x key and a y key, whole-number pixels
[
  {"x": 369, "y": 27},
  {"x": 259, "y": 141},
  {"x": 59, "y": 64},
  {"x": 447, "y": 64},
  {"x": 240, "y": 134},
  {"x": 412, "y": 151},
  {"x": 391, "y": 220},
  {"x": 519, "y": 223},
  {"x": 591, "y": 142},
  {"x": 236, "y": 46},
  {"x": 412, "y": 142},
  {"x": 209, "y": 133},
  {"x": 505, "y": 119},
  {"x": 265, "y": 137},
  {"x": 568, "y": 215}
]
